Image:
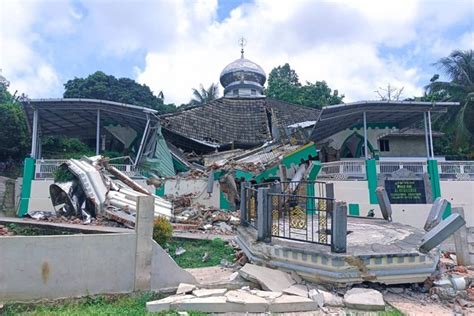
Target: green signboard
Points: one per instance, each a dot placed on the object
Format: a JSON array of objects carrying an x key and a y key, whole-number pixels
[{"x": 406, "y": 191}]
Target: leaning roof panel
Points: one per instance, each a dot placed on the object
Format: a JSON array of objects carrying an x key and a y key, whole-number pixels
[{"x": 336, "y": 118}]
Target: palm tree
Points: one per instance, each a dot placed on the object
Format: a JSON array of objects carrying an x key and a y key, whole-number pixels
[
  {"x": 203, "y": 95},
  {"x": 459, "y": 67}
]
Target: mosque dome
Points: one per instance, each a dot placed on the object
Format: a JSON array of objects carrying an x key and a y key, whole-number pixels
[{"x": 243, "y": 78}]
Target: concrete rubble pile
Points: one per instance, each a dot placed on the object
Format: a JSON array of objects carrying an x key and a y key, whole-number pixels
[
  {"x": 99, "y": 190},
  {"x": 271, "y": 291}
]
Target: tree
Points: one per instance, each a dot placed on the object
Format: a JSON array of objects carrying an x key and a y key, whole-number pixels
[
  {"x": 459, "y": 68},
  {"x": 203, "y": 95},
  {"x": 14, "y": 140},
  {"x": 124, "y": 90},
  {"x": 284, "y": 85}
]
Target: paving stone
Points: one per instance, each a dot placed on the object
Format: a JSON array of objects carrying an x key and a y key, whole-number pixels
[
  {"x": 364, "y": 299},
  {"x": 211, "y": 304},
  {"x": 209, "y": 292},
  {"x": 165, "y": 303},
  {"x": 331, "y": 299},
  {"x": 184, "y": 288},
  {"x": 267, "y": 294},
  {"x": 297, "y": 289},
  {"x": 316, "y": 296},
  {"x": 269, "y": 279},
  {"x": 292, "y": 303},
  {"x": 253, "y": 303}
]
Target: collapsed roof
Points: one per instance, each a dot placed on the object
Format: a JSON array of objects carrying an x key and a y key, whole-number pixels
[{"x": 245, "y": 122}]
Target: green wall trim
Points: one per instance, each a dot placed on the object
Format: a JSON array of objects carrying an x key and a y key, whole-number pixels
[
  {"x": 160, "y": 191},
  {"x": 28, "y": 176},
  {"x": 239, "y": 174},
  {"x": 371, "y": 172},
  {"x": 294, "y": 158},
  {"x": 354, "y": 210},
  {"x": 315, "y": 168},
  {"x": 224, "y": 203},
  {"x": 434, "y": 178},
  {"x": 179, "y": 166}
]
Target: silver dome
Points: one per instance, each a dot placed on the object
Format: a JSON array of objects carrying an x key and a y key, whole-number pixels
[
  {"x": 243, "y": 78},
  {"x": 243, "y": 64}
]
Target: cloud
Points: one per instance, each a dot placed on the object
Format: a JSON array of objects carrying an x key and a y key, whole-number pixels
[
  {"x": 27, "y": 70},
  {"x": 356, "y": 46},
  {"x": 339, "y": 42}
]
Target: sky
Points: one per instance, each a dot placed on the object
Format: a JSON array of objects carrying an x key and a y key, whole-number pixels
[{"x": 357, "y": 47}]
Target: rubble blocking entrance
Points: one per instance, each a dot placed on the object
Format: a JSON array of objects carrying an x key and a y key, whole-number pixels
[{"x": 353, "y": 249}]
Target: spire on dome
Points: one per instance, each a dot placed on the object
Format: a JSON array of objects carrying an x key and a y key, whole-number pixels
[
  {"x": 242, "y": 43},
  {"x": 243, "y": 78}
]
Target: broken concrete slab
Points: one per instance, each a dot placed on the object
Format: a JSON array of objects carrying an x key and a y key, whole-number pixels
[
  {"x": 165, "y": 303},
  {"x": 252, "y": 303},
  {"x": 364, "y": 299},
  {"x": 331, "y": 299},
  {"x": 441, "y": 232},
  {"x": 184, "y": 288},
  {"x": 266, "y": 294},
  {"x": 436, "y": 213},
  {"x": 165, "y": 273},
  {"x": 209, "y": 292},
  {"x": 297, "y": 289},
  {"x": 292, "y": 303},
  {"x": 269, "y": 279},
  {"x": 316, "y": 296},
  {"x": 212, "y": 304}
]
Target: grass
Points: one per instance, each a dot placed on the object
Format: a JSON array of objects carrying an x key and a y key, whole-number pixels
[
  {"x": 195, "y": 249},
  {"x": 100, "y": 305},
  {"x": 31, "y": 230}
]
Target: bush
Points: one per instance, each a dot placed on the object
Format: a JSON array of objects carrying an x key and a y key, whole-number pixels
[{"x": 162, "y": 231}]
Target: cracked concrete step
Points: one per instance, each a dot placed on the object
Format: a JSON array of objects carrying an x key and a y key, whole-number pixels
[{"x": 269, "y": 279}]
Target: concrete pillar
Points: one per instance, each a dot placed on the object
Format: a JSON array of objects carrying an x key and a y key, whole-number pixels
[
  {"x": 339, "y": 228},
  {"x": 34, "y": 136},
  {"x": 263, "y": 215},
  {"x": 144, "y": 249},
  {"x": 461, "y": 242},
  {"x": 97, "y": 134},
  {"x": 243, "y": 204},
  {"x": 366, "y": 152},
  {"x": 430, "y": 135},
  {"x": 427, "y": 144}
]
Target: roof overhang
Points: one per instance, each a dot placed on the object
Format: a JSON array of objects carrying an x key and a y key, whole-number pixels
[
  {"x": 336, "y": 118},
  {"x": 78, "y": 117}
]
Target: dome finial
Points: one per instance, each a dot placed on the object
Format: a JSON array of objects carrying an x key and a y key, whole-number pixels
[{"x": 242, "y": 43}]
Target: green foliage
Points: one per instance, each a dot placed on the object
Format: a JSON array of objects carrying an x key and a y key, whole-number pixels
[
  {"x": 65, "y": 147},
  {"x": 217, "y": 250},
  {"x": 14, "y": 139},
  {"x": 124, "y": 90},
  {"x": 458, "y": 123},
  {"x": 63, "y": 174},
  {"x": 202, "y": 96},
  {"x": 162, "y": 231},
  {"x": 98, "y": 305},
  {"x": 284, "y": 85}
]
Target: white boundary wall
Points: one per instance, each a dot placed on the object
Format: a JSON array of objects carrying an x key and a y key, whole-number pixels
[
  {"x": 459, "y": 193},
  {"x": 36, "y": 267}
]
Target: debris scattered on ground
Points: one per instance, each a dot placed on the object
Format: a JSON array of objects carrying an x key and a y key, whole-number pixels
[
  {"x": 179, "y": 251},
  {"x": 364, "y": 299},
  {"x": 5, "y": 232}
]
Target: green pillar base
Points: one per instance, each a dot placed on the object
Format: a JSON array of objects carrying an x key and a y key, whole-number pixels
[
  {"x": 28, "y": 176},
  {"x": 371, "y": 172}
]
